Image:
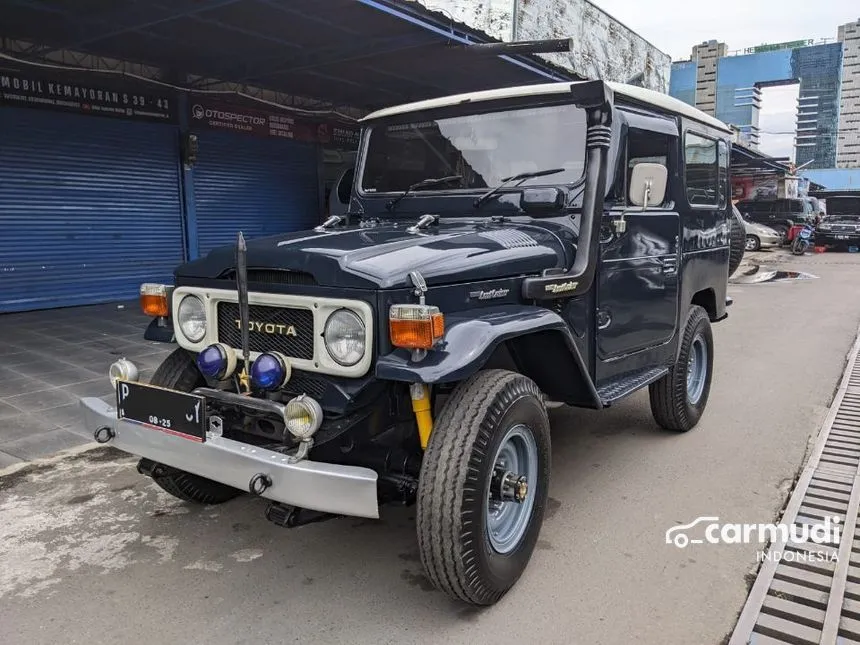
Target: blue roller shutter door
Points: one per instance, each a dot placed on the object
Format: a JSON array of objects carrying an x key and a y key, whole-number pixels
[
  {"x": 89, "y": 208},
  {"x": 259, "y": 186}
]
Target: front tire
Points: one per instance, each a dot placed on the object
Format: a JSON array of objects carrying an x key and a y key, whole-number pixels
[
  {"x": 179, "y": 372},
  {"x": 483, "y": 486},
  {"x": 679, "y": 398}
]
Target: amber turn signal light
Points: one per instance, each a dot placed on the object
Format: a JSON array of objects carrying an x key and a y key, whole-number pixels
[
  {"x": 154, "y": 299},
  {"x": 415, "y": 326}
]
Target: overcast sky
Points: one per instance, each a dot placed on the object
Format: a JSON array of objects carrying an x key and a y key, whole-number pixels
[{"x": 675, "y": 26}]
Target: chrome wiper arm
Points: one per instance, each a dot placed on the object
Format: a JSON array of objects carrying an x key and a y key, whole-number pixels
[
  {"x": 424, "y": 183},
  {"x": 507, "y": 181}
]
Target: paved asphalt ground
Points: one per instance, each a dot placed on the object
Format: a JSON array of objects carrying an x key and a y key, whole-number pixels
[{"x": 91, "y": 552}]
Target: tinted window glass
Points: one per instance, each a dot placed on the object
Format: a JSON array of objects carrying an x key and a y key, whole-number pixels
[
  {"x": 724, "y": 173},
  {"x": 701, "y": 175},
  {"x": 481, "y": 148}
]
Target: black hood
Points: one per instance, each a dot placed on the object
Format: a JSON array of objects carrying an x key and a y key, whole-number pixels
[{"x": 383, "y": 255}]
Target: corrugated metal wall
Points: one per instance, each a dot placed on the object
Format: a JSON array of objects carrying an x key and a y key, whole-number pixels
[
  {"x": 89, "y": 208},
  {"x": 259, "y": 186}
]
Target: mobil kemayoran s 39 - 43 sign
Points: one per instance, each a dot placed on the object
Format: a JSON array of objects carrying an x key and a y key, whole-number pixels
[{"x": 91, "y": 96}]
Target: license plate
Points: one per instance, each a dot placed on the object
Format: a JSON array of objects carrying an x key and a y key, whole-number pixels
[{"x": 176, "y": 413}]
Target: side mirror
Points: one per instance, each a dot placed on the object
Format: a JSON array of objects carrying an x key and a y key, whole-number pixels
[{"x": 648, "y": 184}]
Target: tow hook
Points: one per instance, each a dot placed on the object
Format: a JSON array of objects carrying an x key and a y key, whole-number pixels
[
  {"x": 104, "y": 434},
  {"x": 508, "y": 487},
  {"x": 259, "y": 484}
]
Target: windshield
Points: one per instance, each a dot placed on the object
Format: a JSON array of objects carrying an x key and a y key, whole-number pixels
[
  {"x": 482, "y": 148},
  {"x": 841, "y": 206}
]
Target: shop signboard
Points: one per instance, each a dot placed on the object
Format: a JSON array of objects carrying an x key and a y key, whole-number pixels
[
  {"x": 94, "y": 95},
  {"x": 282, "y": 124}
]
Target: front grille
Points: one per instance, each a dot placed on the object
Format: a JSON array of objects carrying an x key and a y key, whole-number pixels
[
  {"x": 844, "y": 229},
  {"x": 304, "y": 383},
  {"x": 272, "y": 276},
  {"x": 278, "y": 318}
]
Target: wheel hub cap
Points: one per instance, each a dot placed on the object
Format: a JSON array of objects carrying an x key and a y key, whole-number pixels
[
  {"x": 697, "y": 370},
  {"x": 509, "y": 505}
]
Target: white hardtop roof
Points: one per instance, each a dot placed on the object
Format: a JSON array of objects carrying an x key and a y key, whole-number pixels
[{"x": 640, "y": 94}]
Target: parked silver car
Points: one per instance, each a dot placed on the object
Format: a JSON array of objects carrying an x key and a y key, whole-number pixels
[{"x": 760, "y": 236}]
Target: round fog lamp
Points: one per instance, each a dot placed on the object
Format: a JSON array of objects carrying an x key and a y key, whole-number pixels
[
  {"x": 270, "y": 371},
  {"x": 217, "y": 361},
  {"x": 123, "y": 370},
  {"x": 303, "y": 417}
]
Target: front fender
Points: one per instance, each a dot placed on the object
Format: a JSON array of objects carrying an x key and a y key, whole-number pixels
[{"x": 470, "y": 339}]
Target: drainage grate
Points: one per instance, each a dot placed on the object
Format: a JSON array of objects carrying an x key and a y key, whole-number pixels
[{"x": 810, "y": 602}]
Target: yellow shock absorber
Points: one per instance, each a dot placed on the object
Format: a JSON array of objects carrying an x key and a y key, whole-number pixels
[{"x": 420, "y": 394}]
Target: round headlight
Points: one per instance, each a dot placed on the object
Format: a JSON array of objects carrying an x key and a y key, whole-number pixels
[
  {"x": 191, "y": 317},
  {"x": 344, "y": 337}
]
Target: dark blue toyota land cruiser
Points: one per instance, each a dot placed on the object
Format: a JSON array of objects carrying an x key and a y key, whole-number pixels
[{"x": 502, "y": 251}]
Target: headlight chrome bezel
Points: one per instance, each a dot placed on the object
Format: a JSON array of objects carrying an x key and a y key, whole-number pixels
[
  {"x": 191, "y": 298},
  {"x": 359, "y": 328}
]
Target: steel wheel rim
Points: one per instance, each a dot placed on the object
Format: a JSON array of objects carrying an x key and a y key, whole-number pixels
[
  {"x": 507, "y": 521},
  {"x": 697, "y": 369},
  {"x": 751, "y": 243}
]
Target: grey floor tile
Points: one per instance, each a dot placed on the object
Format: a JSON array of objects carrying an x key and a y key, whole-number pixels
[
  {"x": 36, "y": 401},
  {"x": 23, "y": 425},
  {"x": 7, "y": 410},
  {"x": 69, "y": 376},
  {"x": 8, "y": 460},
  {"x": 37, "y": 367},
  {"x": 42, "y": 445},
  {"x": 21, "y": 385},
  {"x": 64, "y": 416},
  {"x": 97, "y": 387}
]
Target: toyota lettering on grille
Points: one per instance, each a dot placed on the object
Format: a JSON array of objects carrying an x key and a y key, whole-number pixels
[{"x": 276, "y": 329}]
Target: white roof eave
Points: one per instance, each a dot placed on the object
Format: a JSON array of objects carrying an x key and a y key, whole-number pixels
[{"x": 639, "y": 94}]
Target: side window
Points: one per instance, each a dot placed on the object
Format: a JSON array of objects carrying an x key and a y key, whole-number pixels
[
  {"x": 700, "y": 170},
  {"x": 723, "y": 170},
  {"x": 344, "y": 186},
  {"x": 644, "y": 146}
]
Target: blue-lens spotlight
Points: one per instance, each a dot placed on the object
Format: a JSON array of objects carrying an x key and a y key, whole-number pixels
[
  {"x": 217, "y": 361},
  {"x": 270, "y": 371}
]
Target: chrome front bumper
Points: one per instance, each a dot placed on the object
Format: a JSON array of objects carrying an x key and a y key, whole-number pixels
[{"x": 318, "y": 486}]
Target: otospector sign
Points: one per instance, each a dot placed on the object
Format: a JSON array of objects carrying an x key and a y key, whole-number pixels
[
  {"x": 270, "y": 123},
  {"x": 84, "y": 95}
]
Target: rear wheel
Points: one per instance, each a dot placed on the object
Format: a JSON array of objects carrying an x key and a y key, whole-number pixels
[
  {"x": 179, "y": 372},
  {"x": 679, "y": 398},
  {"x": 483, "y": 487}
]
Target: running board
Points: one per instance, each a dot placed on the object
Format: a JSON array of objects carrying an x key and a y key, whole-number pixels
[{"x": 627, "y": 385}]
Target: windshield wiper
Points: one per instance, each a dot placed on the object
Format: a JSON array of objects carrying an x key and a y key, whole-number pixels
[
  {"x": 424, "y": 183},
  {"x": 483, "y": 199}
]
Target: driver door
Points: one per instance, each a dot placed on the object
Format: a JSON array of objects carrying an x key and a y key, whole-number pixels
[{"x": 637, "y": 290}]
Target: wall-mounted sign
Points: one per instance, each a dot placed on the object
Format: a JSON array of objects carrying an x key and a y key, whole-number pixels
[
  {"x": 245, "y": 120},
  {"x": 794, "y": 44},
  {"x": 86, "y": 97}
]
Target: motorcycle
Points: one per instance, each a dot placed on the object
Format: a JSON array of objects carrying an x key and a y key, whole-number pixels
[{"x": 803, "y": 240}]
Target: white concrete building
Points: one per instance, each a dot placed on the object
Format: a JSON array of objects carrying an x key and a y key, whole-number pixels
[
  {"x": 603, "y": 47},
  {"x": 848, "y": 143}
]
